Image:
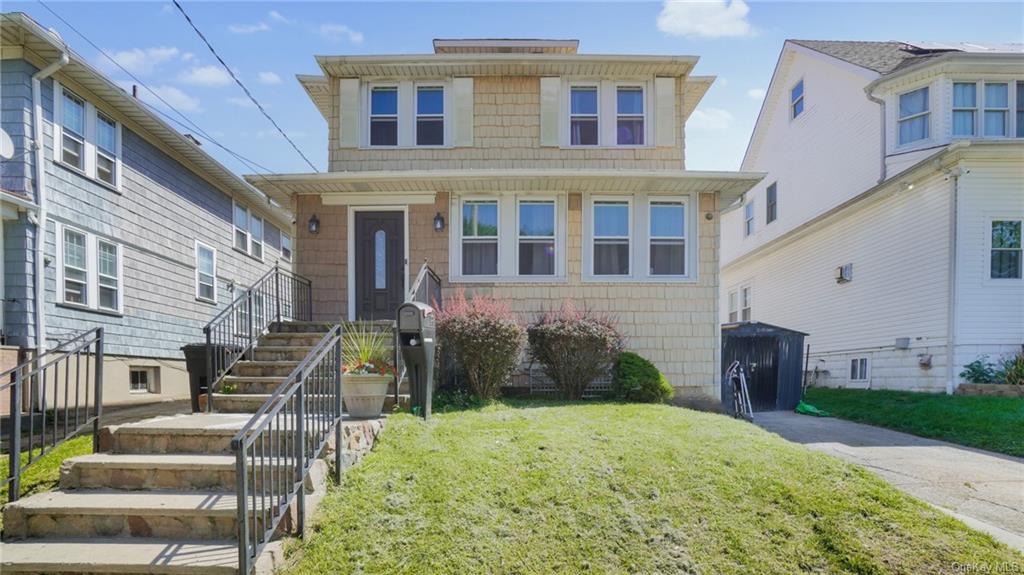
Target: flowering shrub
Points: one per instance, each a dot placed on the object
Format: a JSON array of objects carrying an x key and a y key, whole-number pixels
[
  {"x": 364, "y": 351},
  {"x": 637, "y": 379},
  {"x": 484, "y": 338},
  {"x": 574, "y": 347},
  {"x": 370, "y": 368}
]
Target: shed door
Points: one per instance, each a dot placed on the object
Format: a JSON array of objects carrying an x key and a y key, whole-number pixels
[
  {"x": 379, "y": 264},
  {"x": 760, "y": 357}
]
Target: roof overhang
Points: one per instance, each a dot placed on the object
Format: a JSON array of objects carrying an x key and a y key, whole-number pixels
[
  {"x": 952, "y": 63},
  {"x": 505, "y": 45},
  {"x": 40, "y": 47},
  {"x": 319, "y": 90}
]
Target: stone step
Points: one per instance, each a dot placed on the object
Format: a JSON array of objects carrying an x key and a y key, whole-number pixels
[
  {"x": 120, "y": 555},
  {"x": 167, "y": 471},
  {"x": 209, "y": 433},
  {"x": 291, "y": 338},
  {"x": 239, "y": 402},
  {"x": 281, "y": 352},
  {"x": 196, "y": 515},
  {"x": 251, "y": 383},
  {"x": 302, "y": 326},
  {"x": 276, "y": 368}
]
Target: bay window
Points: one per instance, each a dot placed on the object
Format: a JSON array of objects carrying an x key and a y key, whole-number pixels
[
  {"x": 583, "y": 116},
  {"x": 384, "y": 116},
  {"x": 72, "y": 130},
  {"x": 997, "y": 109},
  {"x": 536, "y": 238},
  {"x": 480, "y": 238},
  {"x": 429, "y": 116},
  {"x": 611, "y": 219},
  {"x": 965, "y": 108},
  {"x": 667, "y": 255},
  {"x": 629, "y": 104},
  {"x": 913, "y": 116}
]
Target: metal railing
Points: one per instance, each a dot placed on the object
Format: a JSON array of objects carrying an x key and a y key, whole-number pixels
[
  {"x": 231, "y": 335},
  {"x": 277, "y": 447},
  {"x": 426, "y": 288},
  {"x": 65, "y": 397}
]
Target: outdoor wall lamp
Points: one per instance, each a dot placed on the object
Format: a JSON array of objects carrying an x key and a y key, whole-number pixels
[
  {"x": 314, "y": 225},
  {"x": 438, "y": 222}
]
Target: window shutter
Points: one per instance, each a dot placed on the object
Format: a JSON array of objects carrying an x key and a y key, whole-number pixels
[
  {"x": 665, "y": 112},
  {"x": 348, "y": 135},
  {"x": 549, "y": 106},
  {"x": 462, "y": 112}
]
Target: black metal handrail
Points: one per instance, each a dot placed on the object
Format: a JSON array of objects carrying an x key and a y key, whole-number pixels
[
  {"x": 62, "y": 401},
  {"x": 276, "y": 448},
  {"x": 277, "y": 296}
]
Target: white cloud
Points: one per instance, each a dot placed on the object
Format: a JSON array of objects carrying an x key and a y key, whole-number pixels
[
  {"x": 140, "y": 60},
  {"x": 248, "y": 28},
  {"x": 710, "y": 120},
  {"x": 173, "y": 96},
  {"x": 756, "y": 93},
  {"x": 211, "y": 75},
  {"x": 338, "y": 32},
  {"x": 275, "y": 15},
  {"x": 269, "y": 78},
  {"x": 240, "y": 102},
  {"x": 705, "y": 18}
]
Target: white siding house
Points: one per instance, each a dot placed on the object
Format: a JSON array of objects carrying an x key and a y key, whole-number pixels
[{"x": 873, "y": 229}]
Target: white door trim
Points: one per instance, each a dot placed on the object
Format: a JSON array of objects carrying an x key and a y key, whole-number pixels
[{"x": 350, "y": 255}]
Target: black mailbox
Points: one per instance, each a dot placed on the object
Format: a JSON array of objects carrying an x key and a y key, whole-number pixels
[{"x": 416, "y": 335}]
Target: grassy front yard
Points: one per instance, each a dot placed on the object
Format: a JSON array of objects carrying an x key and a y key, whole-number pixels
[
  {"x": 43, "y": 474},
  {"x": 615, "y": 488},
  {"x": 992, "y": 423}
]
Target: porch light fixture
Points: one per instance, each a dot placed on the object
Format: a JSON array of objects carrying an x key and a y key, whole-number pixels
[
  {"x": 314, "y": 225},
  {"x": 438, "y": 222}
]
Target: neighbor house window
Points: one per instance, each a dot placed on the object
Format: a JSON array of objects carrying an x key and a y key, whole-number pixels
[
  {"x": 1020, "y": 109},
  {"x": 142, "y": 379},
  {"x": 997, "y": 109},
  {"x": 913, "y": 116},
  {"x": 88, "y": 270},
  {"x": 206, "y": 273},
  {"x": 796, "y": 99},
  {"x": 73, "y": 130},
  {"x": 286, "y": 247},
  {"x": 667, "y": 238},
  {"x": 108, "y": 276},
  {"x": 1006, "y": 249},
  {"x": 859, "y": 369},
  {"x": 256, "y": 236},
  {"x": 746, "y": 303},
  {"x": 241, "y": 228},
  {"x": 430, "y": 116},
  {"x": 629, "y": 119},
  {"x": 965, "y": 108},
  {"x": 771, "y": 204},
  {"x": 583, "y": 117},
  {"x": 106, "y": 149},
  {"x": 748, "y": 218},
  {"x": 734, "y": 310},
  {"x": 384, "y": 116},
  {"x": 611, "y": 237},
  {"x": 480, "y": 238},
  {"x": 76, "y": 268},
  {"x": 536, "y": 238}
]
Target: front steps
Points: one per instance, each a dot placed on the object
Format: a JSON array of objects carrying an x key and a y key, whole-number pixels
[{"x": 160, "y": 496}]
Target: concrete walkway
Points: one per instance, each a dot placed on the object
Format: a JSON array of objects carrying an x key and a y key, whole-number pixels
[{"x": 984, "y": 490}]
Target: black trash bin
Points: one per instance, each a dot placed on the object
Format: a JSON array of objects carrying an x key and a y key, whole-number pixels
[{"x": 195, "y": 363}]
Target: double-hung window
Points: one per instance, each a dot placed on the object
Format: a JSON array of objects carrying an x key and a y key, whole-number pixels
[
  {"x": 771, "y": 203},
  {"x": 241, "y": 228},
  {"x": 629, "y": 128},
  {"x": 1006, "y": 249},
  {"x": 913, "y": 116},
  {"x": 76, "y": 268},
  {"x": 734, "y": 309},
  {"x": 480, "y": 238},
  {"x": 537, "y": 237},
  {"x": 106, "y": 148},
  {"x": 746, "y": 303},
  {"x": 206, "y": 273},
  {"x": 384, "y": 116},
  {"x": 429, "y": 116},
  {"x": 248, "y": 228},
  {"x": 1020, "y": 108},
  {"x": 796, "y": 99},
  {"x": 286, "y": 247},
  {"x": 859, "y": 369},
  {"x": 997, "y": 109},
  {"x": 88, "y": 270},
  {"x": 612, "y": 227},
  {"x": 965, "y": 108},
  {"x": 748, "y": 218},
  {"x": 72, "y": 130},
  {"x": 108, "y": 279},
  {"x": 583, "y": 116},
  {"x": 667, "y": 255},
  {"x": 256, "y": 236}
]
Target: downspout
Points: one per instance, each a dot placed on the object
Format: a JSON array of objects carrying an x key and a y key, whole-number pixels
[
  {"x": 40, "y": 180},
  {"x": 951, "y": 325},
  {"x": 882, "y": 175}
]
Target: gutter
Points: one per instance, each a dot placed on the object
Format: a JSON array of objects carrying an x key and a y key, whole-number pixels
[{"x": 40, "y": 185}]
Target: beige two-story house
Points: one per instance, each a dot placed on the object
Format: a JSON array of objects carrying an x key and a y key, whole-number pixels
[{"x": 523, "y": 169}]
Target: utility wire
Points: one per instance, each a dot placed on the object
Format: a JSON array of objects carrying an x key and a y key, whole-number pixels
[{"x": 241, "y": 85}]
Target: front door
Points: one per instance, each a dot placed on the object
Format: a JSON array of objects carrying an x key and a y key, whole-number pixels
[{"x": 379, "y": 264}]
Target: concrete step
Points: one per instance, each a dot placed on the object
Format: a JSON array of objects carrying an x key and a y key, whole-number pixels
[
  {"x": 276, "y": 368},
  {"x": 196, "y": 515},
  {"x": 252, "y": 383},
  {"x": 209, "y": 433},
  {"x": 281, "y": 352},
  {"x": 239, "y": 402},
  {"x": 120, "y": 555},
  {"x": 291, "y": 338},
  {"x": 302, "y": 326},
  {"x": 167, "y": 471}
]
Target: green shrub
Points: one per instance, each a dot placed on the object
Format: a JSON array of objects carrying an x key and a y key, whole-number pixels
[
  {"x": 979, "y": 371},
  {"x": 574, "y": 348},
  {"x": 636, "y": 379},
  {"x": 1013, "y": 370},
  {"x": 484, "y": 338}
]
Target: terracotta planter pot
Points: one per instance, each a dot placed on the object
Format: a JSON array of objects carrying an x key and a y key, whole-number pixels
[{"x": 364, "y": 394}]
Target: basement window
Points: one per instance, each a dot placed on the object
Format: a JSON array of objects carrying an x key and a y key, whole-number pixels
[
  {"x": 142, "y": 380},
  {"x": 859, "y": 369}
]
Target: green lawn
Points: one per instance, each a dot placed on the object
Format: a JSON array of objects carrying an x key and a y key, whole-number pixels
[
  {"x": 44, "y": 473},
  {"x": 992, "y": 423},
  {"x": 533, "y": 488}
]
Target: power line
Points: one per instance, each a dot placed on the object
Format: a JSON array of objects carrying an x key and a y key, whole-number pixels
[{"x": 241, "y": 85}]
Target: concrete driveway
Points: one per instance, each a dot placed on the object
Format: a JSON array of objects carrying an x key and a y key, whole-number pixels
[{"x": 984, "y": 490}]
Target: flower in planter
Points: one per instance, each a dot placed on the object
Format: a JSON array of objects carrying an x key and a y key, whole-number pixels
[{"x": 364, "y": 351}]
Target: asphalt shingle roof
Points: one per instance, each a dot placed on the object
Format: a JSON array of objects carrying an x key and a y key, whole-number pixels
[{"x": 882, "y": 57}]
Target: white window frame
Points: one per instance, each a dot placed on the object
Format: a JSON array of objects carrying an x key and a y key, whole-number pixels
[
  {"x": 286, "y": 252},
  {"x": 650, "y": 240},
  {"x": 592, "y": 237},
  {"x": 733, "y": 306},
  {"x": 769, "y": 215},
  {"x": 151, "y": 379},
  {"x": 746, "y": 302},
  {"x": 749, "y": 219},
  {"x": 793, "y": 114},
  {"x": 863, "y": 369},
  {"x": 250, "y": 215},
  {"x": 253, "y": 240},
  {"x": 989, "y": 220},
  {"x": 481, "y": 239},
  {"x": 397, "y": 115},
  {"x": 1018, "y": 99},
  {"x": 1007, "y": 111},
  {"x": 119, "y": 278},
  {"x": 569, "y": 115},
  {"x": 926, "y": 113},
  {"x": 200, "y": 245},
  {"x": 974, "y": 111},
  {"x": 91, "y": 272},
  {"x": 520, "y": 200},
  {"x": 644, "y": 116},
  {"x": 607, "y": 112},
  {"x": 417, "y": 115},
  {"x": 406, "y": 116},
  {"x": 90, "y": 148}
]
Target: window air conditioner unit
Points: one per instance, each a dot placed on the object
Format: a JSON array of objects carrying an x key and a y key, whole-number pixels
[{"x": 844, "y": 273}]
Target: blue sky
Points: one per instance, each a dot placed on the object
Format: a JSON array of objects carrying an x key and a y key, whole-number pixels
[{"x": 267, "y": 43}]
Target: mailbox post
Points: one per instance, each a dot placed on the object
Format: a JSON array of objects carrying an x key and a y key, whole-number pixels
[{"x": 416, "y": 335}]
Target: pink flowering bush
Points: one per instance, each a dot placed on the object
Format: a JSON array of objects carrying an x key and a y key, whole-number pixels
[{"x": 574, "y": 347}]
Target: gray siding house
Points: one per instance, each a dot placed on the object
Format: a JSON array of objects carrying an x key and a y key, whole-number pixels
[{"x": 143, "y": 232}]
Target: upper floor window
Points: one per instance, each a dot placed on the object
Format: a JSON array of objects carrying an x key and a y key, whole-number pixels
[
  {"x": 630, "y": 116},
  {"x": 536, "y": 238},
  {"x": 667, "y": 255},
  {"x": 913, "y": 116},
  {"x": 73, "y": 124},
  {"x": 734, "y": 310},
  {"x": 612, "y": 231},
  {"x": 965, "y": 108},
  {"x": 248, "y": 232},
  {"x": 748, "y": 218},
  {"x": 796, "y": 99},
  {"x": 997, "y": 109},
  {"x": 384, "y": 116},
  {"x": 429, "y": 116},
  {"x": 1006, "y": 249},
  {"x": 88, "y": 270},
  {"x": 740, "y": 304},
  {"x": 583, "y": 116},
  {"x": 256, "y": 236},
  {"x": 286, "y": 247},
  {"x": 480, "y": 238},
  {"x": 106, "y": 148},
  {"x": 85, "y": 138},
  {"x": 1020, "y": 109},
  {"x": 771, "y": 203}
]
